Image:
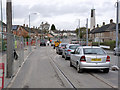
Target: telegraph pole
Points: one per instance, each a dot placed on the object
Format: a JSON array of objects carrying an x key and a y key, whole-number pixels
[
  {"x": 2, "y": 23},
  {"x": 79, "y": 30},
  {"x": 117, "y": 21},
  {"x": 87, "y": 32},
  {"x": 9, "y": 39}
]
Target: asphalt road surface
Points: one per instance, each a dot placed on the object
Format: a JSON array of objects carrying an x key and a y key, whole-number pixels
[{"x": 45, "y": 69}]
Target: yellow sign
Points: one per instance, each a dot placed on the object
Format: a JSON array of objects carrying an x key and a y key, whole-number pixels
[
  {"x": 57, "y": 43},
  {"x": 95, "y": 59}
]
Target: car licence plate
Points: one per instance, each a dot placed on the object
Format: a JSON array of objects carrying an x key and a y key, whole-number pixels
[{"x": 95, "y": 59}]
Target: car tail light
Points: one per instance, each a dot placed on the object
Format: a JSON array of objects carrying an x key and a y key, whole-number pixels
[
  {"x": 69, "y": 50},
  {"x": 108, "y": 59},
  {"x": 83, "y": 59}
]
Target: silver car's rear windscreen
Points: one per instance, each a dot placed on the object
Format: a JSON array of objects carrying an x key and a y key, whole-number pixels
[{"x": 97, "y": 51}]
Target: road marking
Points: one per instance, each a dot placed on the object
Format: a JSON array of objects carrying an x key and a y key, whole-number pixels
[
  {"x": 62, "y": 73},
  {"x": 103, "y": 80}
]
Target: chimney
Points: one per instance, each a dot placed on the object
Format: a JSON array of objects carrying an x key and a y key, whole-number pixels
[
  {"x": 23, "y": 25},
  {"x": 111, "y": 21},
  {"x": 33, "y": 27},
  {"x": 26, "y": 25},
  {"x": 103, "y": 23},
  {"x": 97, "y": 25}
]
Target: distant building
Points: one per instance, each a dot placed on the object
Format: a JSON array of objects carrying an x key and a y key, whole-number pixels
[{"x": 44, "y": 26}]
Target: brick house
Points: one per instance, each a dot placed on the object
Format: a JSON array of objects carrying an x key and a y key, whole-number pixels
[
  {"x": 20, "y": 30},
  {"x": 104, "y": 33}
]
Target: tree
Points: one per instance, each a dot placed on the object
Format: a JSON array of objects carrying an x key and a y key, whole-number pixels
[
  {"x": 53, "y": 27},
  {"x": 82, "y": 32}
]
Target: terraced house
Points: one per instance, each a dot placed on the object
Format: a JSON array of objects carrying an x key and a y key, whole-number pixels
[{"x": 104, "y": 33}]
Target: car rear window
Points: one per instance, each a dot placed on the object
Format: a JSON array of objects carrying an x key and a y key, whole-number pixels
[
  {"x": 98, "y": 51},
  {"x": 73, "y": 46}
]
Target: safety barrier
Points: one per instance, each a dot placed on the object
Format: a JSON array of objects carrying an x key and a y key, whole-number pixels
[{"x": 1, "y": 75}]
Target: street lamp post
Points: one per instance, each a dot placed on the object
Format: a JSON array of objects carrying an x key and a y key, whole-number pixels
[
  {"x": 30, "y": 30},
  {"x": 87, "y": 32},
  {"x": 117, "y": 21}
]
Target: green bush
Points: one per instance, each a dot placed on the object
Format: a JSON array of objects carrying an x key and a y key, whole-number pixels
[{"x": 107, "y": 43}]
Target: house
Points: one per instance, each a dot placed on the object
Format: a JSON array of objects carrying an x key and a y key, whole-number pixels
[
  {"x": 4, "y": 27},
  {"x": 104, "y": 33},
  {"x": 20, "y": 30}
]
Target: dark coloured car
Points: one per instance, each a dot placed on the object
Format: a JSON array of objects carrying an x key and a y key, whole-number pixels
[
  {"x": 60, "y": 48},
  {"x": 42, "y": 42}
]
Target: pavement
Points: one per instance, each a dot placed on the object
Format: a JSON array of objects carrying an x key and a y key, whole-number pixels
[{"x": 16, "y": 63}]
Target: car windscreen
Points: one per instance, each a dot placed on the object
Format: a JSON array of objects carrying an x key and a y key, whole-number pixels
[
  {"x": 73, "y": 47},
  {"x": 97, "y": 51}
]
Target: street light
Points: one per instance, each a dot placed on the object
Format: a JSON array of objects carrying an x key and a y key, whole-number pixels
[{"x": 30, "y": 29}]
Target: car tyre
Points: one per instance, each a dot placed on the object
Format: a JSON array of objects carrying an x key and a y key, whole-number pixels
[
  {"x": 62, "y": 56},
  {"x": 71, "y": 64},
  {"x": 66, "y": 57},
  {"x": 79, "y": 70},
  {"x": 106, "y": 70}
]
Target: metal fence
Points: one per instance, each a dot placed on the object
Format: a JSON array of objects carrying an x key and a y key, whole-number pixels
[{"x": 21, "y": 48}]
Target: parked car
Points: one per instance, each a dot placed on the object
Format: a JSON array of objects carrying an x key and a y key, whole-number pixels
[
  {"x": 60, "y": 48},
  {"x": 117, "y": 51},
  {"x": 42, "y": 42},
  {"x": 74, "y": 41},
  {"x": 90, "y": 57},
  {"x": 68, "y": 50}
]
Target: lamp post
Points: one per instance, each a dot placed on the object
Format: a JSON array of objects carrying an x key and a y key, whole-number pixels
[
  {"x": 117, "y": 21},
  {"x": 30, "y": 29},
  {"x": 2, "y": 24},
  {"x": 87, "y": 32}
]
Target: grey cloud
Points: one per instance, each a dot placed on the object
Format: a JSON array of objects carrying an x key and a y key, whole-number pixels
[
  {"x": 20, "y": 11},
  {"x": 54, "y": 10}
]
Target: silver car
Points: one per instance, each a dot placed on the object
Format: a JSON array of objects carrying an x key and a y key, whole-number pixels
[
  {"x": 68, "y": 50},
  {"x": 90, "y": 57}
]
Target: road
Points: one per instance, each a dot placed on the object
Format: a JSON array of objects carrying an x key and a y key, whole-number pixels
[{"x": 45, "y": 69}]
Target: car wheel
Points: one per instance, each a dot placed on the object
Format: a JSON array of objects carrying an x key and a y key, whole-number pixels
[
  {"x": 65, "y": 57},
  {"x": 62, "y": 56},
  {"x": 106, "y": 70},
  {"x": 79, "y": 70}
]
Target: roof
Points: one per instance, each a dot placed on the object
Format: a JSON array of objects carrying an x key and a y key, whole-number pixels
[
  {"x": 105, "y": 28},
  {"x": 26, "y": 28},
  {"x": 2, "y": 23},
  {"x": 15, "y": 27}
]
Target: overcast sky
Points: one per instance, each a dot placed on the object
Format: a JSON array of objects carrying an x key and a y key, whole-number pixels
[{"x": 63, "y": 13}]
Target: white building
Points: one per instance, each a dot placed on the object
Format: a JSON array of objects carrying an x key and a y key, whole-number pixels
[{"x": 93, "y": 21}]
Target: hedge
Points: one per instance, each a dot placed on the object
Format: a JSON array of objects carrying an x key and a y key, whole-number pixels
[{"x": 112, "y": 44}]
